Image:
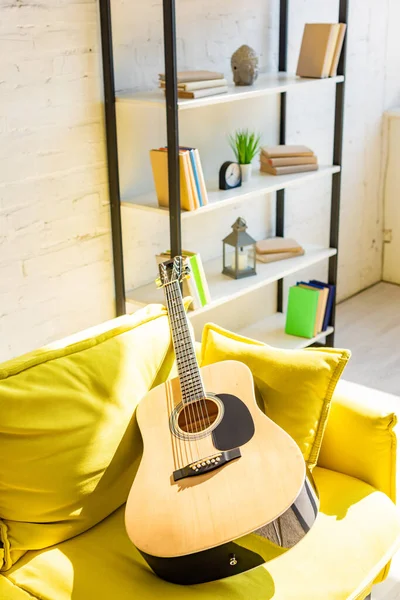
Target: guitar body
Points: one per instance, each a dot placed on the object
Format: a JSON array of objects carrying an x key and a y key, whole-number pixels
[{"x": 212, "y": 471}]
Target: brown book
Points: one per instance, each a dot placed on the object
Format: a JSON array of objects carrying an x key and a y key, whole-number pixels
[
  {"x": 275, "y": 245},
  {"x": 159, "y": 164},
  {"x": 203, "y": 93},
  {"x": 285, "y": 151},
  {"x": 317, "y": 49},
  {"x": 187, "y": 76},
  {"x": 268, "y": 258},
  {"x": 198, "y": 85},
  {"x": 287, "y": 170},
  {"x": 288, "y": 162},
  {"x": 322, "y": 302},
  {"x": 338, "y": 49}
]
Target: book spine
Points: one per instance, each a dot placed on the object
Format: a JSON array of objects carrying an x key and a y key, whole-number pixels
[
  {"x": 200, "y": 173},
  {"x": 203, "y": 93},
  {"x": 193, "y": 284},
  {"x": 197, "y": 279},
  {"x": 203, "y": 279},
  {"x": 195, "y": 175},
  {"x": 202, "y": 85},
  {"x": 186, "y": 182}
]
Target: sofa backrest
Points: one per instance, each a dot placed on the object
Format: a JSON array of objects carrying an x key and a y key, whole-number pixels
[{"x": 69, "y": 442}]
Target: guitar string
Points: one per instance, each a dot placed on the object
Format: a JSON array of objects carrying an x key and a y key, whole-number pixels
[
  {"x": 184, "y": 359},
  {"x": 189, "y": 349},
  {"x": 202, "y": 400},
  {"x": 182, "y": 362},
  {"x": 198, "y": 387},
  {"x": 186, "y": 447},
  {"x": 188, "y": 379}
]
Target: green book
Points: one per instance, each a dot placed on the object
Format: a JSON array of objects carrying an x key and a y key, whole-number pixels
[{"x": 302, "y": 312}]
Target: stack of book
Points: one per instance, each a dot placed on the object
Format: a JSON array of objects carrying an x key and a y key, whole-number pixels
[
  {"x": 192, "y": 184},
  {"x": 309, "y": 308},
  {"x": 196, "y": 285},
  {"x": 282, "y": 160},
  {"x": 198, "y": 84},
  {"x": 320, "y": 49},
  {"x": 277, "y": 248}
]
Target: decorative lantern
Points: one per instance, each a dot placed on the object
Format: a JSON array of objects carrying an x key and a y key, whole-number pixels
[{"x": 239, "y": 252}]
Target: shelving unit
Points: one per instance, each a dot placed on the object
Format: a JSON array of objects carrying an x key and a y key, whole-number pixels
[{"x": 223, "y": 289}]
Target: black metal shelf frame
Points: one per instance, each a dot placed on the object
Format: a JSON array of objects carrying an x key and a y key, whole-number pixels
[{"x": 169, "y": 23}]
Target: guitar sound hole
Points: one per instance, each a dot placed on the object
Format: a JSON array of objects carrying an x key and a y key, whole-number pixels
[{"x": 198, "y": 415}]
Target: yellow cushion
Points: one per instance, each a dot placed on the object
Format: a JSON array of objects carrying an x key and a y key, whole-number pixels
[
  {"x": 355, "y": 532},
  {"x": 360, "y": 439},
  {"x": 69, "y": 443},
  {"x": 296, "y": 386}
]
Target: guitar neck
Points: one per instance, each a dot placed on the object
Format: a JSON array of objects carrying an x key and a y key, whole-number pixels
[{"x": 188, "y": 370}]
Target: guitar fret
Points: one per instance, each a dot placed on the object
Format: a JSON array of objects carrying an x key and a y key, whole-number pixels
[{"x": 188, "y": 369}]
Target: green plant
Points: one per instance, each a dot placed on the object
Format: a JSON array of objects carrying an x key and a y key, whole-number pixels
[{"x": 245, "y": 145}]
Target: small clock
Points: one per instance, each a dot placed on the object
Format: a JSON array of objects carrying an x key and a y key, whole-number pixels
[{"x": 230, "y": 176}]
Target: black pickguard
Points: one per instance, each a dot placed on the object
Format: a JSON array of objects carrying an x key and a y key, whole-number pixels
[{"x": 236, "y": 427}]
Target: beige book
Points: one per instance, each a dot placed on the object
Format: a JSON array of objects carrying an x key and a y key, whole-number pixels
[
  {"x": 317, "y": 49},
  {"x": 268, "y": 258},
  {"x": 277, "y": 244},
  {"x": 188, "y": 76},
  {"x": 322, "y": 302},
  {"x": 338, "y": 49},
  {"x": 204, "y": 93},
  {"x": 159, "y": 164},
  {"x": 198, "y": 85},
  {"x": 285, "y": 151},
  {"x": 287, "y": 170},
  {"x": 288, "y": 162}
]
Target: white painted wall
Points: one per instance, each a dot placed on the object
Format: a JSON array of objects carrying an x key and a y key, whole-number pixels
[{"x": 55, "y": 265}]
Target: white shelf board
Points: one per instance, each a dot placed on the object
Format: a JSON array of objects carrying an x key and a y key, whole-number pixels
[
  {"x": 271, "y": 83},
  {"x": 271, "y": 331},
  {"x": 223, "y": 288},
  {"x": 260, "y": 183}
]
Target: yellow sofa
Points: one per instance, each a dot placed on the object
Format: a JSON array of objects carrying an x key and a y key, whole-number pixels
[{"x": 70, "y": 448}]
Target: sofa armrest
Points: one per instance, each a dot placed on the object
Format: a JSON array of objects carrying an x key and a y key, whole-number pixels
[{"x": 360, "y": 439}]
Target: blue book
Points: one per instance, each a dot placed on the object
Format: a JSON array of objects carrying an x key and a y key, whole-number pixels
[
  {"x": 195, "y": 173},
  {"x": 331, "y": 300}
]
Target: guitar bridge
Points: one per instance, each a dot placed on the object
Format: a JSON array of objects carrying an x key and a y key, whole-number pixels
[{"x": 205, "y": 465}]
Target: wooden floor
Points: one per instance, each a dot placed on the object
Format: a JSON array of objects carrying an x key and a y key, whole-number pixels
[{"x": 369, "y": 324}]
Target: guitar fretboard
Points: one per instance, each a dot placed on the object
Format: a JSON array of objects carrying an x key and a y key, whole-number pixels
[{"x": 188, "y": 369}]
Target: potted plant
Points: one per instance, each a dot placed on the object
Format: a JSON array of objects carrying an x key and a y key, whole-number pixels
[{"x": 245, "y": 146}]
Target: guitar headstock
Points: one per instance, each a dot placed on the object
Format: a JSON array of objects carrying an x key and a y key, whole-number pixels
[{"x": 172, "y": 270}]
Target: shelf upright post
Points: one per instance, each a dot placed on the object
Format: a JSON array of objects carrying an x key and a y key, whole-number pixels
[
  {"x": 171, "y": 95},
  {"x": 282, "y": 66},
  {"x": 337, "y": 160},
  {"x": 112, "y": 155}
]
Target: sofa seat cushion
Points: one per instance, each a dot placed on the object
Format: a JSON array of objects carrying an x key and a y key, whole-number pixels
[{"x": 344, "y": 551}]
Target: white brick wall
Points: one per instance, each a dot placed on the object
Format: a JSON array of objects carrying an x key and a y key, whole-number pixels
[{"x": 55, "y": 257}]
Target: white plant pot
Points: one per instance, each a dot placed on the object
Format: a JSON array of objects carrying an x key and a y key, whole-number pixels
[{"x": 246, "y": 172}]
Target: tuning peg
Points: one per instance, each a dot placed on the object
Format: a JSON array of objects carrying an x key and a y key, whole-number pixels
[{"x": 159, "y": 283}]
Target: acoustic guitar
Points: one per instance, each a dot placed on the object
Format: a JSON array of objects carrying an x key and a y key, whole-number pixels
[{"x": 214, "y": 467}]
